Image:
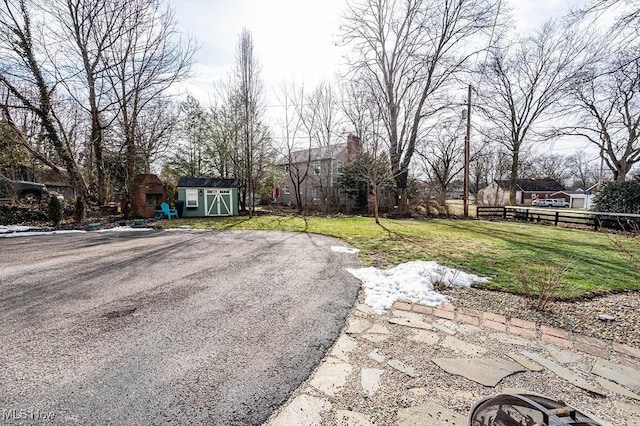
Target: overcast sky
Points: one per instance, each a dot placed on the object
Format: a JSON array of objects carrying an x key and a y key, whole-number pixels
[{"x": 294, "y": 39}]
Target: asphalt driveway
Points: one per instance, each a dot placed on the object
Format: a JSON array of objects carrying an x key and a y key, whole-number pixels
[{"x": 178, "y": 327}]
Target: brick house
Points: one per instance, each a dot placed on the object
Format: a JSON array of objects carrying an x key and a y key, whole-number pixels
[{"x": 527, "y": 190}]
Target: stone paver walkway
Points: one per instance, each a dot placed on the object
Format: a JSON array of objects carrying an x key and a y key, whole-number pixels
[{"x": 417, "y": 365}]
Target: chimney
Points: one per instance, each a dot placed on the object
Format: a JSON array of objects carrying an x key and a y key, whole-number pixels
[{"x": 353, "y": 146}]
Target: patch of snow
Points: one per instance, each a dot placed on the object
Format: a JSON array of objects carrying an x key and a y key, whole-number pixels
[
  {"x": 347, "y": 250},
  {"x": 412, "y": 280},
  {"x": 38, "y": 233},
  {"x": 124, "y": 229},
  {"x": 13, "y": 228}
]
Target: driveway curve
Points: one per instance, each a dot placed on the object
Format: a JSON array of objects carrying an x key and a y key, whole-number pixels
[{"x": 165, "y": 327}]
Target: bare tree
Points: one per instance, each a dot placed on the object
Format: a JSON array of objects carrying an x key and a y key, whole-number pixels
[
  {"x": 583, "y": 169},
  {"x": 158, "y": 128},
  {"x": 408, "y": 50},
  {"x": 224, "y": 129},
  {"x": 85, "y": 31},
  {"x": 323, "y": 106},
  {"x": 523, "y": 83},
  {"x": 370, "y": 163},
  {"x": 250, "y": 98},
  {"x": 296, "y": 157},
  {"x": 552, "y": 166},
  {"x": 144, "y": 60},
  {"x": 442, "y": 155},
  {"x": 609, "y": 112},
  {"x": 320, "y": 117},
  {"x": 25, "y": 74},
  {"x": 628, "y": 11}
]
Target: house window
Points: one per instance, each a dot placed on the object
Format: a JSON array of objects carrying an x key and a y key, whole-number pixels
[
  {"x": 191, "y": 198},
  {"x": 286, "y": 168},
  {"x": 316, "y": 167},
  {"x": 286, "y": 190},
  {"x": 340, "y": 166}
]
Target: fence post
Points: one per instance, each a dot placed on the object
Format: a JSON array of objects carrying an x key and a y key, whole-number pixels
[
  {"x": 504, "y": 213},
  {"x": 596, "y": 222},
  {"x": 557, "y": 217}
]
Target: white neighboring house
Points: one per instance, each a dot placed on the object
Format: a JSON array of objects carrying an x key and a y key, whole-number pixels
[{"x": 493, "y": 195}]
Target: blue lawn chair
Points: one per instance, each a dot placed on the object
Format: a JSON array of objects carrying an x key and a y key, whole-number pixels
[{"x": 168, "y": 212}]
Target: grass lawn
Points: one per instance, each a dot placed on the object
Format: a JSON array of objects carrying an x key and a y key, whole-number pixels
[{"x": 586, "y": 262}]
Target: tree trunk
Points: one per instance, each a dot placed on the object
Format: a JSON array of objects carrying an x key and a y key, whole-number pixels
[
  {"x": 513, "y": 178},
  {"x": 401, "y": 191},
  {"x": 620, "y": 175},
  {"x": 96, "y": 138}
]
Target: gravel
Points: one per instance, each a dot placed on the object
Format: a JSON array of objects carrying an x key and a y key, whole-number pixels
[
  {"x": 614, "y": 317},
  {"x": 398, "y": 391}
]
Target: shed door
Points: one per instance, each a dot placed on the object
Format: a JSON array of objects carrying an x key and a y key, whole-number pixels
[{"x": 218, "y": 202}]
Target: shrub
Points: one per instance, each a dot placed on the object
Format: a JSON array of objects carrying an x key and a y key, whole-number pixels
[
  {"x": 620, "y": 197},
  {"x": 55, "y": 211},
  {"x": 543, "y": 285}
]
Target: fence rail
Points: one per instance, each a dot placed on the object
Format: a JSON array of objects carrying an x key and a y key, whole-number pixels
[{"x": 595, "y": 220}]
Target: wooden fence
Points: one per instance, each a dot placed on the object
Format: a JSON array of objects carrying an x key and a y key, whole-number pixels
[{"x": 576, "y": 218}]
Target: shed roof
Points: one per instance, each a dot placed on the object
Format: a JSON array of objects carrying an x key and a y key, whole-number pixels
[{"x": 201, "y": 182}]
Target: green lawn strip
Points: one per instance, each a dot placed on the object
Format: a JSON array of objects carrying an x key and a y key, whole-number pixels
[{"x": 500, "y": 250}]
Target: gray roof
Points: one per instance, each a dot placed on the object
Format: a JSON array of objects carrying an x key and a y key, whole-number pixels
[
  {"x": 201, "y": 182},
  {"x": 313, "y": 154}
]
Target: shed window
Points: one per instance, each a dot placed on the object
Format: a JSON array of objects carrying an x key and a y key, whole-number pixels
[{"x": 192, "y": 198}]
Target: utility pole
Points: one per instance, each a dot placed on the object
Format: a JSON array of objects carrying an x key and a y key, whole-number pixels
[{"x": 467, "y": 149}]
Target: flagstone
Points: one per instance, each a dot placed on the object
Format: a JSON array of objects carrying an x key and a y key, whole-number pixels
[
  {"x": 357, "y": 326},
  {"x": 402, "y": 367},
  {"x": 451, "y": 331},
  {"x": 413, "y": 316},
  {"x": 365, "y": 309},
  {"x": 462, "y": 346},
  {"x": 563, "y": 356},
  {"x": 303, "y": 410},
  {"x": 375, "y": 338},
  {"x": 487, "y": 372},
  {"x": 621, "y": 374},
  {"x": 468, "y": 329},
  {"x": 376, "y": 356},
  {"x": 563, "y": 372},
  {"x": 370, "y": 380},
  {"x": 426, "y": 337},
  {"x": 378, "y": 329},
  {"x": 343, "y": 347},
  {"x": 631, "y": 409},
  {"x": 429, "y": 414},
  {"x": 525, "y": 362},
  {"x": 409, "y": 323},
  {"x": 331, "y": 376},
  {"x": 616, "y": 388},
  {"x": 351, "y": 418}
]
